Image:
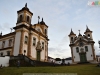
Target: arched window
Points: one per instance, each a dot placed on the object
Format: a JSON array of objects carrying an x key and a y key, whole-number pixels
[
  {"x": 72, "y": 39},
  {"x": 8, "y": 53},
  {"x": 86, "y": 48},
  {"x": 26, "y": 39},
  {"x": 20, "y": 18},
  {"x": 34, "y": 41},
  {"x": 77, "y": 49},
  {"x": 27, "y": 18},
  {"x": 42, "y": 45},
  {"x": 45, "y": 31},
  {"x": 88, "y": 35},
  {"x": 1, "y": 53},
  {"x": 10, "y": 42},
  {"x": 3, "y": 44}
]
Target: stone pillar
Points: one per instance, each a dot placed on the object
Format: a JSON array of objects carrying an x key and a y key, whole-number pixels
[
  {"x": 45, "y": 51},
  {"x": 29, "y": 45},
  {"x": 21, "y": 42},
  {"x": 13, "y": 47},
  {"x": 93, "y": 51},
  {"x": 72, "y": 55}
]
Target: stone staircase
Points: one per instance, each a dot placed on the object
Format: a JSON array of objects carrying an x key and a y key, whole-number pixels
[{"x": 27, "y": 62}]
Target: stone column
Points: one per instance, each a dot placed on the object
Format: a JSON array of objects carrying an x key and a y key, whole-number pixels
[
  {"x": 72, "y": 55},
  {"x": 47, "y": 52},
  {"x": 21, "y": 42},
  {"x": 93, "y": 51},
  {"x": 29, "y": 44},
  {"x": 13, "y": 47}
]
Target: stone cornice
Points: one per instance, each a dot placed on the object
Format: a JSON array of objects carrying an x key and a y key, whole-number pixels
[{"x": 5, "y": 48}]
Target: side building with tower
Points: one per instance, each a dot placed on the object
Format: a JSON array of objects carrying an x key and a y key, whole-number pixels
[
  {"x": 82, "y": 47},
  {"x": 27, "y": 39}
]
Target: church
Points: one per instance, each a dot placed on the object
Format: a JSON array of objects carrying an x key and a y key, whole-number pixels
[
  {"x": 27, "y": 39},
  {"x": 82, "y": 47}
]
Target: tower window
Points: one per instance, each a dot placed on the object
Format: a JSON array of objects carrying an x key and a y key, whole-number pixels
[
  {"x": 27, "y": 18},
  {"x": 86, "y": 48},
  {"x": 71, "y": 38},
  {"x": 88, "y": 35},
  {"x": 45, "y": 31},
  {"x": 26, "y": 39},
  {"x": 38, "y": 30},
  {"x": 34, "y": 41},
  {"x": 3, "y": 44},
  {"x": 42, "y": 45},
  {"x": 20, "y": 18},
  {"x": 77, "y": 49}
]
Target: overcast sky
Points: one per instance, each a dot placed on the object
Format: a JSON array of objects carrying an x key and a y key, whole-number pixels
[{"x": 60, "y": 16}]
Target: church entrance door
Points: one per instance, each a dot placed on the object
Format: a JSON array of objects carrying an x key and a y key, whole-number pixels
[
  {"x": 38, "y": 55},
  {"x": 83, "y": 57}
]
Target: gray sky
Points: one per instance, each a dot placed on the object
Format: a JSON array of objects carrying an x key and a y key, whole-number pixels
[{"x": 60, "y": 16}]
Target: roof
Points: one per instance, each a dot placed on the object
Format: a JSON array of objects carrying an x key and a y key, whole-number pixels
[
  {"x": 25, "y": 8},
  {"x": 71, "y": 33},
  {"x": 70, "y": 58},
  {"x": 87, "y": 30}
]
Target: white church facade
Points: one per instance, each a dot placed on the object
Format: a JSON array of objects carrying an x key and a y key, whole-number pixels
[
  {"x": 27, "y": 39},
  {"x": 82, "y": 47}
]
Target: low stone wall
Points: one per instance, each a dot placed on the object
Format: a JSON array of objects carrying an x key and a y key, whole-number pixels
[{"x": 4, "y": 61}]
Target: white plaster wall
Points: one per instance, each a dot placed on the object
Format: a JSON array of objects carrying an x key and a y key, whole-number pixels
[
  {"x": 4, "y": 61},
  {"x": 68, "y": 61},
  {"x": 77, "y": 57},
  {"x": 89, "y": 53},
  {"x": 17, "y": 43},
  {"x": 5, "y": 51}
]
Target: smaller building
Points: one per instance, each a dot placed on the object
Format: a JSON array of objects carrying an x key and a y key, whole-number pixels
[
  {"x": 68, "y": 60},
  {"x": 82, "y": 47},
  {"x": 98, "y": 58},
  {"x": 51, "y": 60},
  {"x": 4, "y": 61},
  {"x": 58, "y": 61}
]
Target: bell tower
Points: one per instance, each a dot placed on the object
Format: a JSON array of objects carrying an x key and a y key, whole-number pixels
[
  {"x": 22, "y": 30},
  {"x": 24, "y": 16},
  {"x": 88, "y": 33},
  {"x": 71, "y": 36}
]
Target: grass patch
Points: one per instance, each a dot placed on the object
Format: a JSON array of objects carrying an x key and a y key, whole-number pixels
[{"x": 89, "y": 69}]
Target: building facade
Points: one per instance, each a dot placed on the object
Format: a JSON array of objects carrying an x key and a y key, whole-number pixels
[
  {"x": 82, "y": 47},
  {"x": 27, "y": 39}
]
